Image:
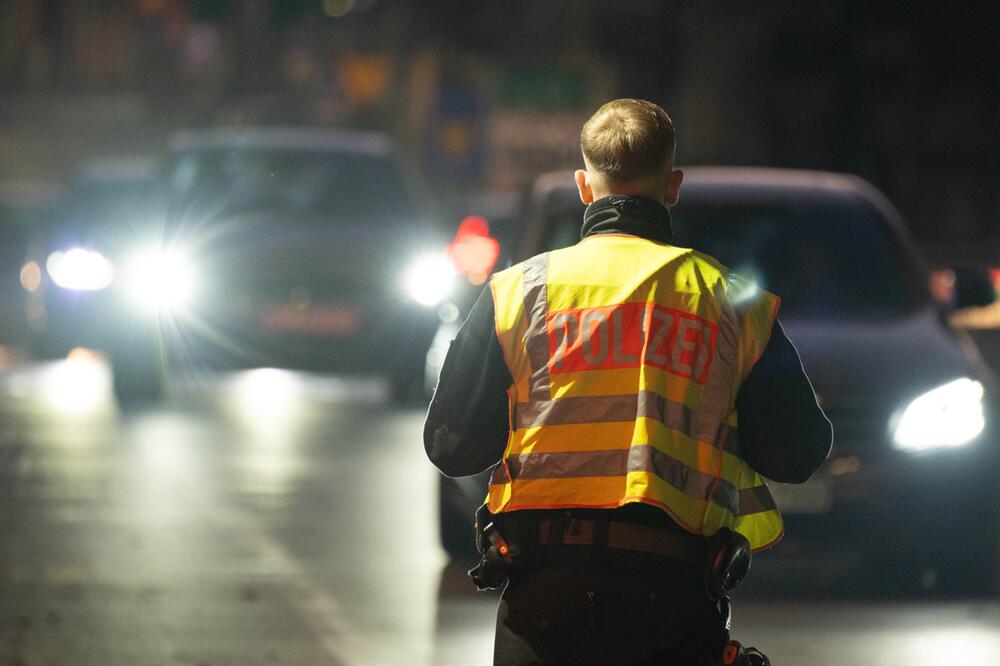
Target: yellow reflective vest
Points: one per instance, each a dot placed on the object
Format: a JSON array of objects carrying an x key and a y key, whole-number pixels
[{"x": 627, "y": 355}]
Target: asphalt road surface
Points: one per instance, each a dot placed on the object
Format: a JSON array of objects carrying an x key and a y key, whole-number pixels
[{"x": 273, "y": 518}]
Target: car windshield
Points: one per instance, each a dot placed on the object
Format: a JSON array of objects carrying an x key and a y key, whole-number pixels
[
  {"x": 112, "y": 200},
  {"x": 826, "y": 262},
  {"x": 318, "y": 185}
]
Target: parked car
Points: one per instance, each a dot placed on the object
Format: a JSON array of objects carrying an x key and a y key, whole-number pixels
[
  {"x": 910, "y": 490},
  {"x": 293, "y": 248}
]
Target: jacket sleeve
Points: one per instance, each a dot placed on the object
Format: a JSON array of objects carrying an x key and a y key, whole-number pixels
[
  {"x": 784, "y": 434},
  {"x": 468, "y": 421}
]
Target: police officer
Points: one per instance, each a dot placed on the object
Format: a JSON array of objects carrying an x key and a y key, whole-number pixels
[{"x": 605, "y": 382}]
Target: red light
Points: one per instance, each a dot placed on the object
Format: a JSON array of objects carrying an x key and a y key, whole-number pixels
[
  {"x": 474, "y": 252},
  {"x": 995, "y": 278}
]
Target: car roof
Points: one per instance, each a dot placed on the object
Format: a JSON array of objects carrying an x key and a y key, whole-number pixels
[
  {"x": 740, "y": 185},
  {"x": 767, "y": 183},
  {"x": 285, "y": 138},
  {"x": 110, "y": 170},
  {"x": 746, "y": 185},
  {"x": 27, "y": 194},
  {"x": 757, "y": 179}
]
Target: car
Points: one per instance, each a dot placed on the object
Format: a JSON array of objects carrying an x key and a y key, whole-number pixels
[
  {"x": 294, "y": 248},
  {"x": 909, "y": 491}
]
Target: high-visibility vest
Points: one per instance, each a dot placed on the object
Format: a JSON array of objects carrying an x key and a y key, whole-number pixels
[{"x": 627, "y": 356}]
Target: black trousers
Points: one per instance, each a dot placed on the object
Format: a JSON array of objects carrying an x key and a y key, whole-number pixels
[{"x": 582, "y": 605}]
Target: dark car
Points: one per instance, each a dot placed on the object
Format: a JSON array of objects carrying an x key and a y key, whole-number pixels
[
  {"x": 910, "y": 490},
  {"x": 291, "y": 248}
]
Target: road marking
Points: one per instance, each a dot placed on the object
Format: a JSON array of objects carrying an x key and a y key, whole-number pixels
[{"x": 320, "y": 611}]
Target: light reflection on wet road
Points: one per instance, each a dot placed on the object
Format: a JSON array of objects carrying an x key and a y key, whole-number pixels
[{"x": 274, "y": 518}]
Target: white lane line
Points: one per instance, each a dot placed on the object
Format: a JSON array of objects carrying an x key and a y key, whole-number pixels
[{"x": 320, "y": 611}]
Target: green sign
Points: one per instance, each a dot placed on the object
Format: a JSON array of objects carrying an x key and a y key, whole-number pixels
[{"x": 543, "y": 89}]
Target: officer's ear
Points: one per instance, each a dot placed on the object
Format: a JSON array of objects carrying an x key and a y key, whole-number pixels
[
  {"x": 674, "y": 180},
  {"x": 583, "y": 185}
]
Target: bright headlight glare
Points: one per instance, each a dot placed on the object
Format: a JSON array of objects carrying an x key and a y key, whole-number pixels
[
  {"x": 160, "y": 280},
  {"x": 430, "y": 279},
  {"x": 80, "y": 270},
  {"x": 949, "y": 416}
]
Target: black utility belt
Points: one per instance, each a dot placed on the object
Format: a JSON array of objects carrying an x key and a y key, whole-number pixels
[
  {"x": 501, "y": 540},
  {"x": 675, "y": 544}
]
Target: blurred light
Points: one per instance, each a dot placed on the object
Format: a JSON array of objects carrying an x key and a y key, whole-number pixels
[
  {"x": 268, "y": 397},
  {"x": 364, "y": 78},
  {"x": 160, "y": 281},
  {"x": 456, "y": 137},
  {"x": 951, "y": 645},
  {"x": 31, "y": 276},
  {"x": 744, "y": 285},
  {"x": 84, "y": 355},
  {"x": 77, "y": 385},
  {"x": 80, "y": 270},
  {"x": 337, "y": 8},
  {"x": 844, "y": 465},
  {"x": 429, "y": 279},
  {"x": 942, "y": 284},
  {"x": 948, "y": 416},
  {"x": 474, "y": 252},
  {"x": 448, "y": 312},
  {"x": 164, "y": 444},
  {"x": 6, "y": 357},
  {"x": 151, "y": 7},
  {"x": 35, "y": 313}
]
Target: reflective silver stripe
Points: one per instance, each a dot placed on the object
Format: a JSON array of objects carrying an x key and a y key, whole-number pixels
[
  {"x": 730, "y": 440},
  {"x": 716, "y": 398},
  {"x": 567, "y": 465},
  {"x": 566, "y": 411},
  {"x": 619, "y": 462},
  {"x": 755, "y": 500},
  {"x": 688, "y": 480},
  {"x": 627, "y": 407},
  {"x": 534, "y": 277}
]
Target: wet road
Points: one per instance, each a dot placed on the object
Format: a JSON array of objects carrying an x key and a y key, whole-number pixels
[{"x": 273, "y": 518}]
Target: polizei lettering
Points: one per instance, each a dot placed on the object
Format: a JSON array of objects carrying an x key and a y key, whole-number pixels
[{"x": 629, "y": 335}]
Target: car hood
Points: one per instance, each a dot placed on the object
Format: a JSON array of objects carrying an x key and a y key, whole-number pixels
[{"x": 882, "y": 364}]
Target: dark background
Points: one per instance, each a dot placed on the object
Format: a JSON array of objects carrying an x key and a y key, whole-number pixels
[{"x": 484, "y": 95}]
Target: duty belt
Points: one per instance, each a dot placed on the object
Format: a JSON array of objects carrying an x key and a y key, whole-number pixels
[{"x": 675, "y": 544}]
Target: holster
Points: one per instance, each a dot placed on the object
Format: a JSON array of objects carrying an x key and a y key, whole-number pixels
[
  {"x": 728, "y": 562},
  {"x": 496, "y": 554}
]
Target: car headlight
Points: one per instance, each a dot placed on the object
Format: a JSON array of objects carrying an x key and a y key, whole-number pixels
[
  {"x": 949, "y": 416},
  {"x": 430, "y": 279},
  {"x": 80, "y": 270},
  {"x": 160, "y": 280}
]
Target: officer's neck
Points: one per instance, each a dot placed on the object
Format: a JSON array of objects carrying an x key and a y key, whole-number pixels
[{"x": 627, "y": 214}]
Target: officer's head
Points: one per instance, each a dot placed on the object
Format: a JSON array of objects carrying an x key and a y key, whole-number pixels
[{"x": 628, "y": 148}]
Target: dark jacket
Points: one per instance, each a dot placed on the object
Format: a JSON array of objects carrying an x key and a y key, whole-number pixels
[{"x": 783, "y": 433}]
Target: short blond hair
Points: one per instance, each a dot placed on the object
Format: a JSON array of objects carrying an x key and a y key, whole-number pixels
[{"x": 628, "y": 140}]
